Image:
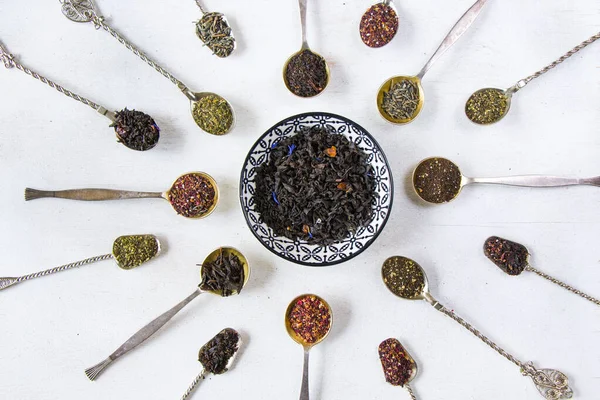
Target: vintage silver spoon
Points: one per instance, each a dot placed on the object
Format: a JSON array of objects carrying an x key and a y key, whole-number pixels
[
  {"x": 214, "y": 31},
  {"x": 398, "y": 365},
  {"x": 406, "y": 279},
  {"x": 151, "y": 328}
]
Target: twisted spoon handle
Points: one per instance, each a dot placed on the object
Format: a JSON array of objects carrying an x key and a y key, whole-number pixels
[
  {"x": 90, "y": 194},
  {"x": 563, "y": 285},
  {"x": 304, "y": 392},
  {"x": 410, "y": 391},
  {"x": 7, "y": 282},
  {"x": 193, "y": 385},
  {"x": 535, "y": 181},
  {"x": 140, "y": 337}
]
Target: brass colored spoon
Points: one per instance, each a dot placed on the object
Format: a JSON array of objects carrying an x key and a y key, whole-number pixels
[
  {"x": 398, "y": 365},
  {"x": 438, "y": 180},
  {"x": 215, "y": 259},
  {"x": 128, "y": 252},
  {"x": 400, "y": 99},
  {"x": 406, "y": 279},
  {"x": 180, "y": 195}
]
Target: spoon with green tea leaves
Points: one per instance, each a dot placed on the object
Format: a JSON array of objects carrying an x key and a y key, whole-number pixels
[
  {"x": 192, "y": 195},
  {"x": 379, "y": 24},
  {"x": 134, "y": 129},
  {"x": 128, "y": 252},
  {"x": 224, "y": 273},
  {"x": 215, "y": 32},
  {"x": 211, "y": 112},
  {"x": 438, "y": 180},
  {"x": 489, "y": 105},
  {"x": 305, "y": 73},
  {"x": 513, "y": 259},
  {"x": 406, "y": 279},
  {"x": 216, "y": 356},
  {"x": 398, "y": 365},
  {"x": 400, "y": 99}
]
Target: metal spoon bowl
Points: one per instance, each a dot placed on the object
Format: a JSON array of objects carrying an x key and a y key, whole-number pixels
[
  {"x": 505, "y": 95},
  {"x": 386, "y": 87},
  {"x": 407, "y": 269},
  {"x": 195, "y": 99},
  {"x": 227, "y": 251}
]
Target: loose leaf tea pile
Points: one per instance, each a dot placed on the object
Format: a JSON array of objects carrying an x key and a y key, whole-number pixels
[
  {"x": 136, "y": 130},
  {"x": 487, "y": 106},
  {"x": 510, "y": 257},
  {"x": 213, "y": 114},
  {"x": 401, "y": 100},
  {"x": 398, "y": 366},
  {"x": 310, "y": 318},
  {"x": 192, "y": 195},
  {"x": 306, "y": 74},
  {"x": 403, "y": 277},
  {"x": 316, "y": 186},
  {"x": 378, "y": 25},
  {"x": 215, "y": 33},
  {"x": 132, "y": 251},
  {"x": 437, "y": 180},
  {"x": 225, "y": 274},
  {"x": 215, "y": 355}
]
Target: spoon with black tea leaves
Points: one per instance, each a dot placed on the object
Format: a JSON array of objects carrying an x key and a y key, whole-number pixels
[
  {"x": 211, "y": 112},
  {"x": 224, "y": 272},
  {"x": 134, "y": 129},
  {"x": 216, "y": 356},
  {"x": 513, "y": 259},
  {"x": 400, "y": 99},
  {"x": 379, "y": 24},
  {"x": 398, "y": 365},
  {"x": 438, "y": 180},
  {"x": 489, "y": 105},
  {"x": 128, "y": 252},
  {"x": 406, "y": 279},
  {"x": 192, "y": 195},
  {"x": 305, "y": 73},
  {"x": 214, "y": 31}
]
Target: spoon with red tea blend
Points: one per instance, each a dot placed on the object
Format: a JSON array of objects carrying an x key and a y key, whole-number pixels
[
  {"x": 379, "y": 24},
  {"x": 398, "y": 365},
  {"x": 192, "y": 195},
  {"x": 224, "y": 273},
  {"x": 308, "y": 321},
  {"x": 128, "y": 252},
  {"x": 214, "y": 31},
  {"x": 306, "y": 73},
  {"x": 513, "y": 259},
  {"x": 216, "y": 356},
  {"x": 438, "y": 180},
  {"x": 134, "y": 129},
  {"x": 406, "y": 279}
]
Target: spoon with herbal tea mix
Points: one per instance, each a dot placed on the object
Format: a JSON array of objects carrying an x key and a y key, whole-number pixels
[
  {"x": 400, "y": 99},
  {"x": 214, "y": 31},
  {"x": 128, "y": 252},
  {"x": 308, "y": 320},
  {"x": 305, "y": 73},
  {"x": 134, "y": 129},
  {"x": 379, "y": 24},
  {"x": 399, "y": 367},
  {"x": 489, "y": 105},
  {"x": 513, "y": 259},
  {"x": 406, "y": 279},
  {"x": 224, "y": 273},
  {"x": 192, "y": 195},
  {"x": 438, "y": 180},
  {"x": 216, "y": 356},
  {"x": 211, "y": 112}
]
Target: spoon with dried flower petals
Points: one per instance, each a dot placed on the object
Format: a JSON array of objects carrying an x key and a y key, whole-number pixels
[
  {"x": 216, "y": 356},
  {"x": 406, "y": 279},
  {"x": 513, "y": 259},
  {"x": 128, "y": 251},
  {"x": 379, "y": 24},
  {"x": 224, "y": 273},
  {"x": 134, "y": 129},
  {"x": 398, "y": 365}
]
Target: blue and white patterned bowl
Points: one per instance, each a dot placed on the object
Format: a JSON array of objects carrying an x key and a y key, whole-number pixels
[{"x": 299, "y": 251}]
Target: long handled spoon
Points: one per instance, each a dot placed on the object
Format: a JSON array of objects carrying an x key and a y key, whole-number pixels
[{"x": 398, "y": 365}]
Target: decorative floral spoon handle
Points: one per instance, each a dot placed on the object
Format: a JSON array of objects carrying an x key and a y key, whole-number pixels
[
  {"x": 90, "y": 194},
  {"x": 190, "y": 390},
  {"x": 563, "y": 285},
  {"x": 7, "y": 282}
]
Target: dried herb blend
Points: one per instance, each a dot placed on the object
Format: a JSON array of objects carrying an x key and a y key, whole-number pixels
[
  {"x": 136, "y": 130},
  {"x": 215, "y": 33},
  {"x": 310, "y": 318},
  {"x": 192, "y": 195},
  {"x": 398, "y": 366},
  {"x": 378, "y": 25},
  {"x": 134, "y": 250},
  {"x": 487, "y": 106},
  {"x": 437, "y": 180},
  {"x": 306, "y": 74},
  {"x": 225, "y": 275},
  {"x": 316, "y": 186},
  {"x": 213, "y": 114},
  {"x": 401, "y": 100},
  {"x": 403, "y": 277},
  {"x": 216, "y": 354},
  {"x": 510, "y": 257}
]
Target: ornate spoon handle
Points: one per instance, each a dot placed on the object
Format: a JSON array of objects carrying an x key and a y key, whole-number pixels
[
  {"x": 7, "y": 282},
  {"x": 140, "y": 336},
  {"x": 193, "y": 385},
  {"x": 90, "y": 194},
  {"x": 410, "y": 391},
  {"x": 563, "y": 285}
]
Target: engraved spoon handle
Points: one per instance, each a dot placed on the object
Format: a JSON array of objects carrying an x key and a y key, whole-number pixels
[
  {"x": 7, "y": 282},
  {"x": 563, "y": 285},
  {"x": 192, "y": 387},
  {"x": 304, "y": 392},
  {"x": 410, "y": 391},
  {"x": 535, "y": 181},
  {"x": 302, "y": 4},
  {"x": 90, "y": 194},
  {"x": 140, "y": 336},
  {"x": 455, "y": 33}
]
